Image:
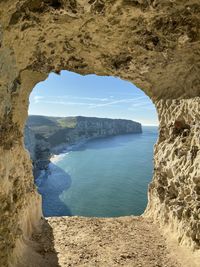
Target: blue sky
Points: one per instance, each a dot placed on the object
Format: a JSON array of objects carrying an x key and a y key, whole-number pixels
[{"x": 71, "y": 94}]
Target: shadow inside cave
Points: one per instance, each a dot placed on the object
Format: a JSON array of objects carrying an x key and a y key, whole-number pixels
[{"x": 42, "y": 252}]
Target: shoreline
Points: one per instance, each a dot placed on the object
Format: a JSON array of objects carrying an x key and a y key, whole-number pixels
[
  {"x": 58, "y": 152},
  {"x": 63, "y": 149}
]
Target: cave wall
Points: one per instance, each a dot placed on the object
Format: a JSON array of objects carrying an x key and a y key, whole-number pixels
[
  {"x": 151, "y": 43},
  {"x": 174, "y": 193}
]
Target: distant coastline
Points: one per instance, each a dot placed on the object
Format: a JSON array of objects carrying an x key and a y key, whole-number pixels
[{"x": 48, "y": 137}]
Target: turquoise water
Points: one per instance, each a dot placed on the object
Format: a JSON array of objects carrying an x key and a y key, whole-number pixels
[{"x": 106, "y": 177}]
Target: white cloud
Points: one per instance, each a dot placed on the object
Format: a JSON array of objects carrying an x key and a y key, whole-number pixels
[
  {"x": 92, "y": 98},
  {"x": 37, "y": 99},
  {"x": 94, "y": 102},
  {"x": 66, "y": 103},
  {"x": 120, "y": 101},
  {"x": 146, "y": 105}
]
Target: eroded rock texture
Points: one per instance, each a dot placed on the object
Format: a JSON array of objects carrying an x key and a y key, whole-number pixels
[
  {"x": 174, "y": 194},
  {"x": 152, "y": 43}
]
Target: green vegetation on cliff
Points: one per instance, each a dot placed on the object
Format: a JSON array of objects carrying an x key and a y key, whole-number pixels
[{"x": 59, "y": 130}]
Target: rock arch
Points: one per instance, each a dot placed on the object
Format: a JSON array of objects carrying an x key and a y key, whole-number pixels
[{"x": 152, "y": 43}]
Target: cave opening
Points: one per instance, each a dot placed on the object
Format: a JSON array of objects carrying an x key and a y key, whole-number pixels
[
  {"x": 123, "y": 39},
  {"x": 90, "y": 156}
]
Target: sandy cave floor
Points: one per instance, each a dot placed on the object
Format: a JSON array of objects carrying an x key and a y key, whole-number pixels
[{"x": 78, "y": 241}]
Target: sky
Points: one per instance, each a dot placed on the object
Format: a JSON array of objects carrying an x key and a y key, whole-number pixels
[{"x": 71, "y": 94}]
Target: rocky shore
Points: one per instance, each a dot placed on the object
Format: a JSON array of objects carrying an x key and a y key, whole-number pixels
[{"x": 47, "y": 136}]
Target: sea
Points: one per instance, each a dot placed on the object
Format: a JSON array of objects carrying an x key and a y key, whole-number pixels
[{"x": 105, "y": 177}]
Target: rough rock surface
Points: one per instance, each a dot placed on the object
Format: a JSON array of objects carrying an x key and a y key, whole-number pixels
[
  {"x": 78, "y": 241},
  {"x": 174, "y": 194},
  {"x": 152, "y": 43}
]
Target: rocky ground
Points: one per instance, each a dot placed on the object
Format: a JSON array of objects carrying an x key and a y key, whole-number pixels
[{"x": 91, "y": 242}]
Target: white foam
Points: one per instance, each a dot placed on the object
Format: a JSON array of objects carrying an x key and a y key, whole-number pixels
[{"x": 56, "y": 158}]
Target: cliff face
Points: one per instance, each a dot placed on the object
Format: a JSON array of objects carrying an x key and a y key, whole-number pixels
[
  {"x": 153, "y": 44},
  {"x": 39, "y": 150},
  {"x": 97, "y": 127},
  {"x": 47, "y": 135},
  {"x": 30, "y": 142}
]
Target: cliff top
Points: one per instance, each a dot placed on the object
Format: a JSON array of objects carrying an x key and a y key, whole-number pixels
[
  {"x": 46, "y": 126},
  {"x": 69, "y": 121}
]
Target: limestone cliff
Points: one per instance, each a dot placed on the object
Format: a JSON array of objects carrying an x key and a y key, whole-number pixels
[
  {"x": 47, "y": 135},
  {"x": 30, "y": 141}
]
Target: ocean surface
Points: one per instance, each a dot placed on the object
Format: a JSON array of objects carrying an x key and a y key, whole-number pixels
[{"x": 105, "y": 177}]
